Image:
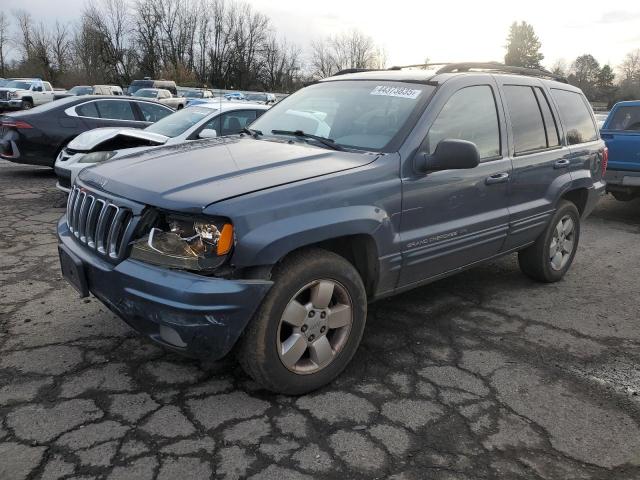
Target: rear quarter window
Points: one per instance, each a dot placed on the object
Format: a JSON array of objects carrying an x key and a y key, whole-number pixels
[
  {"x": 576, "y": 116},
  {"x": 625, "y": 118},
  {"x": 88, "y": 110}
]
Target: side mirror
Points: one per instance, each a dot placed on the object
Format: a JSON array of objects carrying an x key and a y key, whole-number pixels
[
  {"x": 208, "y": 133},
  {"x": 449, "y": 155},
  {"x": 38, "y": 89}
]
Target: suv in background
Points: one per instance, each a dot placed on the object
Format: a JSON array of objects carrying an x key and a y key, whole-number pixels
[
  {"x": 90, "y": 90},
  {"x": 621, "y": 132},
  {"x": 148, "y": 83},
  {"x": 25, "y": 93},
  {"x": 355, "y": 188}
]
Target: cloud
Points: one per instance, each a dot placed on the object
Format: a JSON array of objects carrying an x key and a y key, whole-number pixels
[{"x": 618, "y": 16}]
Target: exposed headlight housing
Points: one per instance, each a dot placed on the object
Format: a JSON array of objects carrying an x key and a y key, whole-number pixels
[
  {"x": 96, "y": 157},
  {"x": 186, "y": 244}
]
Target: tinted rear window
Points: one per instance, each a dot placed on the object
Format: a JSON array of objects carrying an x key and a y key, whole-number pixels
[
  {"x": 88, "y": 110},
  {"x": 115, "y": 110},
  {"x": 526, "y": 119},
  {"x": 625, "y": 118},
  {"x": 576, "y": 116}
]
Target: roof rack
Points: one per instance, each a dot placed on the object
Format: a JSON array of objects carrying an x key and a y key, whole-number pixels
[
  {"x": 347, "y": 71},
  {"x": 490, "y": 66}
]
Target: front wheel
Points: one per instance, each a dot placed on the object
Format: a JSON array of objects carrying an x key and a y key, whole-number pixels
[
  {"x": 550, "y": 257},
  {"x": 308, "y": 327},
  {"x": 27, "y": 104}
]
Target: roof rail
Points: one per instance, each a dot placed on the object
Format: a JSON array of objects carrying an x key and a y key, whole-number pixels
[
  {"x": 346, "y": 71},
  {"x": 490, "y": 66}
]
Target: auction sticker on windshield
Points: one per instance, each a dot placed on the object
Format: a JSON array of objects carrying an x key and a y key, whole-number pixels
[{"x": 401, "y": 92}]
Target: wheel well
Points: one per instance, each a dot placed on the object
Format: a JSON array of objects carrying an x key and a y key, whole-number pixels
[
  {"x": 578, "y": 198},
  {"x": 359, "y": 250},
  {"x": 27, "y": 98}
]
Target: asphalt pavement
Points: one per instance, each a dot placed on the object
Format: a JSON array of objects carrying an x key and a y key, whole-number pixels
[{"x": 485, "y": 375}]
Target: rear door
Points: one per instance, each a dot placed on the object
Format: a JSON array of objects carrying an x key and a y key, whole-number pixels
[
  {"x": 540, "y": 161},
  {"x": 621, "y": 132},
  {"x": 454, "y": 218}
]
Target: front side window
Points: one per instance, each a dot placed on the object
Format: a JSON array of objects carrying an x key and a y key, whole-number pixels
[
  {"x": 152, "y": 112},
  {"x": 576, "y": 116},
  {"x": 115, "y": 110},
  {"x": 360, "y": 114},
  {"x": 234, "y": 122},
  {"x": 526, "y": 119},
  {"x": 470, "y": 114},
  {"x": 625, "y": 118}
]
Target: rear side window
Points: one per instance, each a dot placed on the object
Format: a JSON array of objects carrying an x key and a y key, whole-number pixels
[
  {"x": 550, "y": 125},
  {"x": 625, "y": 118},
  {"x": 576, "y": 116},
  {"x": 115, "y": 110},
  {"x": 470, "y": 114},
  {"x": 88, "y": 110},
  {"x": 234, "y": 122},
  {"x": 526, "y": 119}
]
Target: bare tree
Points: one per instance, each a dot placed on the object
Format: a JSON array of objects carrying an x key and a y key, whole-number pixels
[
  {"x": 630, "y": 67},
  {"x": 4, "y": 41},
  {"x": 348, "y": 50}
]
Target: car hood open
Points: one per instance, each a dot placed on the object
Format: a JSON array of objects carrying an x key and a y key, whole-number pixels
[
  {"x": 187, "y": 177},
  {"x": 91, "y": 140}
]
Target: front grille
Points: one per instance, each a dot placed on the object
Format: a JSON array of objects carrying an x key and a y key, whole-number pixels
[
  {"x": 4, "y": 95},
  {"x": 97, "y": 223}
]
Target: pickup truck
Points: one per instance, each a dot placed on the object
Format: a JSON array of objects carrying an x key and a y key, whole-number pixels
[
  {"x": 271, "y": 243},
  {"x": 163, "y": 96},
  {"x": 25, "y": 93},
  {"x": 621, "y": 132}
]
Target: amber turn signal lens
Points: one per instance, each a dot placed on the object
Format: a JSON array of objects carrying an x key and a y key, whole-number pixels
[{"x": 225, "y": 242}]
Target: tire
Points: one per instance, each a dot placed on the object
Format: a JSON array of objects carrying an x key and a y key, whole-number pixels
[
  {"x": 537, "y": 260},
  {"x": 269, "y": 348},
  {"x": 27, "y": 104},
  {"x": 624, "y": 196}
]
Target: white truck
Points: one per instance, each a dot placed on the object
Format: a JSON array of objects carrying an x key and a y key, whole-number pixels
[
  {"x": 25, "y": 93},
  {"x": 163, "y": 96}
]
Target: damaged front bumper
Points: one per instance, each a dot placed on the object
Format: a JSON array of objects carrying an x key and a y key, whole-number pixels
[{"x": 195, "y": 315}]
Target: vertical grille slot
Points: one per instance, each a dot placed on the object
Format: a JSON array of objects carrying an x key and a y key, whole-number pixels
[{"x": 97, "y": 223}]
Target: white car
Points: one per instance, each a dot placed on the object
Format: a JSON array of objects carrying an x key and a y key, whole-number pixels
[{"x": 192, "y": 123}]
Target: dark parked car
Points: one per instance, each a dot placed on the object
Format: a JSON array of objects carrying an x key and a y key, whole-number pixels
[
  {"x": 37, "y": 136},
  {"x": 355, "y": 188}
]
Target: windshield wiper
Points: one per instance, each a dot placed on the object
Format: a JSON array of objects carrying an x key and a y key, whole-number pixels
[
  {"x": 327, "y": 142},
  {"x": 253, "y": 133}
]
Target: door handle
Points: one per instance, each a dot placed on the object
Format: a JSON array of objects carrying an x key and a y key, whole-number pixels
[
  {"x": 564, "y": 163},
  {"x": 497, "y": 178}
]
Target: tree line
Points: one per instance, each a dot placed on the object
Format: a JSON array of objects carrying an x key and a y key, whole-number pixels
[
  {"x": 600, "y": 83},
  {"x": 217, "y": 43}
]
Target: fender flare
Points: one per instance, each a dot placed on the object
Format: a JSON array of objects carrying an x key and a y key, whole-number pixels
[{"x": 270, "y": 242}]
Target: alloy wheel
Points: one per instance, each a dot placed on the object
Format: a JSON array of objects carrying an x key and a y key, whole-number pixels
[
  {"x": 315, "y": 326},
  {"x": 562, "y": 243}
]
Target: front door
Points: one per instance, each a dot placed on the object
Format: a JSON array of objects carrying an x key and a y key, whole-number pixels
[{"x": 453, "y": 218}]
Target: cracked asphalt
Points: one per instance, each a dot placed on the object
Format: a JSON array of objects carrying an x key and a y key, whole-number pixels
[{"x": 485, "y": 375}]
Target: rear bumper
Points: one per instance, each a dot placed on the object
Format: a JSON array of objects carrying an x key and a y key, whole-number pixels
[
  {"x": 622, "y": 179},
  {"x": 594, "y": 194},
  {"x": 194, "y": 315}
]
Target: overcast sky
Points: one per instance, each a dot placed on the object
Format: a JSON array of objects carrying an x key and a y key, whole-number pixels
[{"x": 449, "y": 30}]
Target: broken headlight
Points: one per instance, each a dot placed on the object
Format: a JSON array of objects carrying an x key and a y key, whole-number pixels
[
  {"x": 186, "y": 244},
  {"x": 96, "y": 157}
]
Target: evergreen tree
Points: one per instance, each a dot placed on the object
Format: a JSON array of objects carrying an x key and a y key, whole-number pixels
[{"x": 523, "y": 46}]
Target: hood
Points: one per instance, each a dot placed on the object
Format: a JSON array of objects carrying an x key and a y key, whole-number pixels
[
  {"x": 88, "y": 141},
  {"x": 187, "y": 177}
]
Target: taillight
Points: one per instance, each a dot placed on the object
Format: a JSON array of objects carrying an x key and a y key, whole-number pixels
[
  {"x": 17, "y": 124},
  {"x": 605, "y": 160}
]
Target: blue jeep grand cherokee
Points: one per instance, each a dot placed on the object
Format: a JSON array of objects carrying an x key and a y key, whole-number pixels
[{"x": 355, "y": 188}]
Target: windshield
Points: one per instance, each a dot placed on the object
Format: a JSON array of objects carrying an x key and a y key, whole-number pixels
[
  {"x": 138, "y": 84},
  {"x": 146, "y": 93},
  {"x": 81, "y": 91},
  {"x": 358, "y": 114},
  {"x": 192, "y": 94},
  {"x": 261, "y": 97},
  {"x": 21, "y": 84},
  {"x": 179, "y": 122}
]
